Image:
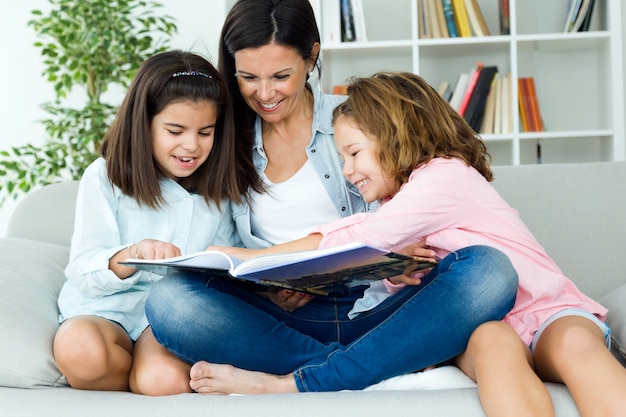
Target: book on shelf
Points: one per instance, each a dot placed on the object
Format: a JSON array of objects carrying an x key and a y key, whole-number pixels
[
  {"x": 331, "y": 21},
  {"x": 347, "y": 22},
  {"x": 317, "y": 271},
  {"x": 340, "y": 89},
  {"x": 428, "y": 19},
  {"x": 487, "y": 124},
  {"x": 573, "y": 7},
  {"x": 507, "y": 104},
  {"x": 360, "y": 30},
  {"x": 505, "y": 21},
  {"x": 432, "y": 20},
  {"x": 530, "y": 114},
  {"x": 447, "y": 95},
  {"x": 579, "y": 10},
  {"x": 441, "y": 19},
  {"x": 461, "y": 19},
  {"x": 448, "y": 12},
  {"x": 443, "y": 87},
  {"x": 476, "y": 18},
  {"x": 584, "y": 27},
  {"x": 498, "y": 106},
  {"x": 422, "y": 30},
  {"x": 445, "y": 90},
  {"x": 469, "y": 90},
  {"x": 503, "y": 117},
  {"x": 459, "y": 88},
  {"x": 476, "y": 106},
  {"x": 535, "y": 113},
  {"x": 524, "y": 113}
]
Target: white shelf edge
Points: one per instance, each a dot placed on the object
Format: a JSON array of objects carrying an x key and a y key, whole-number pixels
[
  {"x": 562, "y": 134},
  {"x": 367, "y": 45},
  {"x": 471, "y": 40}
]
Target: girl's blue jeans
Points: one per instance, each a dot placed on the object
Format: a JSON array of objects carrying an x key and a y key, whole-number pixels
[{"x": 199, "y": 317}]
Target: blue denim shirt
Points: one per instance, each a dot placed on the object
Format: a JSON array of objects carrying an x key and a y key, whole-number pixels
[{"x": 323, "y": 155}]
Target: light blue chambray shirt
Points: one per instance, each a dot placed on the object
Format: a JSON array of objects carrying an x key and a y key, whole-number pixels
[
  {"x": 108, "y": 221},
  {"x": 323, "y": 155}
]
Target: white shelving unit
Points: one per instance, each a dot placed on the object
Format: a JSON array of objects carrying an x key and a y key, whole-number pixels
[{"x": 579, "y": 76}]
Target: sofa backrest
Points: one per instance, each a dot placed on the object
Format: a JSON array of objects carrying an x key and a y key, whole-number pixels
[
  {"x": 46, "y": 214},
  {"x": 577, "y": 212}
]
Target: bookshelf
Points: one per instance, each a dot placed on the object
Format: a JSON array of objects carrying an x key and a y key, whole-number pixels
[{"x": 578, "y": 76}]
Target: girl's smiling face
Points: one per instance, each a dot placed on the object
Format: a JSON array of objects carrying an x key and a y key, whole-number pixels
[
  {"x": 182, "y": 136},
  {"x": 361, "y": 164}
]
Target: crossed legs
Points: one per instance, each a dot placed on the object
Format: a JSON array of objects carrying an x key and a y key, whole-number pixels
[{"x": 97, "y": 354}]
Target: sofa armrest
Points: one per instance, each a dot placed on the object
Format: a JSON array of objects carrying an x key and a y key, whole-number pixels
[{"x": 46, "y": 214}]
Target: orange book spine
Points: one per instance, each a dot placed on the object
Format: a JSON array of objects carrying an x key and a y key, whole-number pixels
[
  {"x": 533, "y": 100},
  {"x": 522, "y": 99}
]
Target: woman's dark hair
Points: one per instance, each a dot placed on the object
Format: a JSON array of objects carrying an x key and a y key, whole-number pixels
[
  {"x": 256, "y": 23},
  {"x": 127, "y": 146}
]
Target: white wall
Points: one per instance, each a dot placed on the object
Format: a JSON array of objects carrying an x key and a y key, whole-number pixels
[{"x": 23, "y": 89}]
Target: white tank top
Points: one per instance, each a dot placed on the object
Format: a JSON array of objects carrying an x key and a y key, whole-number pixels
[{"x": 290, "y": 209}]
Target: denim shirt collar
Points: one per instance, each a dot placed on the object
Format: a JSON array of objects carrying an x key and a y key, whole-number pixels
[{"x": 322, "y": 121}]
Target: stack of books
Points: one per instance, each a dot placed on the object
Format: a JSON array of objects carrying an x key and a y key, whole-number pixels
[
  {"x": 450, "y": 19},
  {"x": 343, "y": 21},
  {"x": 470, "y": 94},
  {"x": 578, "y": 17}
]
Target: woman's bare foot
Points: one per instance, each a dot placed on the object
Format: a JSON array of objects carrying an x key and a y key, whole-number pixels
[{"x": 217, "y": 379}]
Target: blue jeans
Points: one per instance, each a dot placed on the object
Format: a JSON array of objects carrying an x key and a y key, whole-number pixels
[{"x": 198, "y": 317}]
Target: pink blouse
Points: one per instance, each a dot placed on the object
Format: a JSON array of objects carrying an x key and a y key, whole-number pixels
[{"x": 452, "y": 206}]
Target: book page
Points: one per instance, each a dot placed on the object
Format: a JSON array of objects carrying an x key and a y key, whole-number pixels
[
  {"x": 203, "y": 259},
  {"x": 324, "y": 260}
]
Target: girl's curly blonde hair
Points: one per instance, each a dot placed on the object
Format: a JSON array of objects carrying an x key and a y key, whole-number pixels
[{"x": 411, "y": 123}]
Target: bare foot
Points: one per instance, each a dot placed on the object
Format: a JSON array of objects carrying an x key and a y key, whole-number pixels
[{"x": 217, "y": 379}]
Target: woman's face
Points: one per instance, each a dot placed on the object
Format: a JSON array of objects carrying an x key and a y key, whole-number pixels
[{"x": 272, "y": 80}]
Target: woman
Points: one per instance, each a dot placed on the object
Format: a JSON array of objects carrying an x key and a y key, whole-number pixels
[{"x": 268, "y": 50}]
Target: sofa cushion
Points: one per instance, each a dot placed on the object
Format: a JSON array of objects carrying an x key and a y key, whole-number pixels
[
  {"x": 615, "y": 301},
  {"x": 31, "y": 276}
]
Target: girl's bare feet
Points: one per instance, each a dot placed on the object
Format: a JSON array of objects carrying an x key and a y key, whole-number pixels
[{"x": 217, "y": 379}]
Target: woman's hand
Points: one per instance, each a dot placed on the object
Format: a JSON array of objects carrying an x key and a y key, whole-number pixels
[{"x": 289, "y": 300}]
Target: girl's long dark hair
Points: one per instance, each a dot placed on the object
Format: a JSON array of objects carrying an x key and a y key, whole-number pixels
[{"x": 127, "y": 145}]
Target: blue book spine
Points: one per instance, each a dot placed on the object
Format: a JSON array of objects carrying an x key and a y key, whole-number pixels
[
  {"x": 449, "y": 14},
  {"x": 348, "y": 22}
]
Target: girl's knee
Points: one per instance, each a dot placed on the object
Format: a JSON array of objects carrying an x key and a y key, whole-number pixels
[
  {"x": 158, "y": 379},
  {"x": 572, "y": 338},
  {"x": 77, "y": 344},
  {"x": 495, "y": 336}
]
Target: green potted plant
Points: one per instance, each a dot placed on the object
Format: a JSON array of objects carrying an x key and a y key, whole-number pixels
[{"x": 90, "y": 45}]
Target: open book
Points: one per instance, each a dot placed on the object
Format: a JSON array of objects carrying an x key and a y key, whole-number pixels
[{"x": 317, "y": 271}]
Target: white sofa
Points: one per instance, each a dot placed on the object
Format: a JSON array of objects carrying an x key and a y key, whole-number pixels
[{"x": 577, "y": 211}]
